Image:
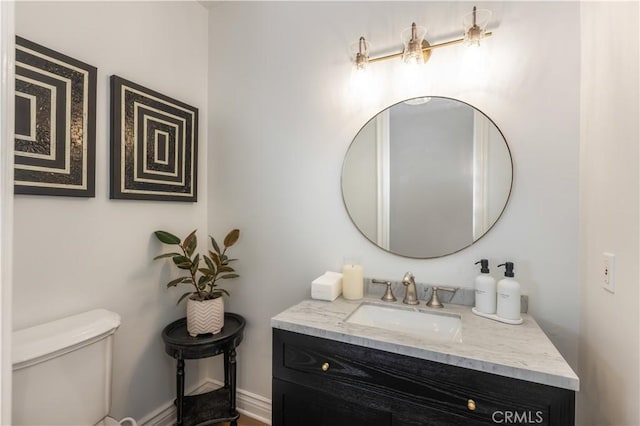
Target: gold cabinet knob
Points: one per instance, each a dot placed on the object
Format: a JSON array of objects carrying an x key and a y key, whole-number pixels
[
  {"x": 325, "y": 366},
  {"x": 471, "y": 405}
]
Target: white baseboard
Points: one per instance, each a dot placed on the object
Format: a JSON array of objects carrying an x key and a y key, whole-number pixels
[{"x": 249, "y": 404}]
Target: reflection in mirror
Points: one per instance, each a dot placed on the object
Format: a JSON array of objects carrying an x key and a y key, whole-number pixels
[{"x": 427, "y": 177}]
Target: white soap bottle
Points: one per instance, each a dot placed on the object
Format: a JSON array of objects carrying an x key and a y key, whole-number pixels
[
  {"x": 485, "y": 289},
  {"x": 508, "y": 294}
]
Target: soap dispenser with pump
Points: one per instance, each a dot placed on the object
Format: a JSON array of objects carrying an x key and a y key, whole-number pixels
[
  {"x": 508, "y": 295},
  {"x": 485, "y": 289}
]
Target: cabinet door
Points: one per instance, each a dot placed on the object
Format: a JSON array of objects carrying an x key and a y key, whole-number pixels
[
  {"x": 414, "y": 391},
  {"x": 295, "y": 405}
]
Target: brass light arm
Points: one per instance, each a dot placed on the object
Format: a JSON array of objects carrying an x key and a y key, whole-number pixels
[{"x": 424, "y": 49}]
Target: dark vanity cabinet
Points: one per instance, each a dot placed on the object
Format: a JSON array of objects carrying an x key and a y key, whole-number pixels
[{"x": 321, "y": 382}]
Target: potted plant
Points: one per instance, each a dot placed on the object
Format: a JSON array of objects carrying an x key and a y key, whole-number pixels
[{"x": 205, "y": 306}]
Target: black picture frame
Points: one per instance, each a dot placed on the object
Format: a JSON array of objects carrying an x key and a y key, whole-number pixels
[
  {"x": 55, "y": 123},
  {"x": 154, "y": 145}
]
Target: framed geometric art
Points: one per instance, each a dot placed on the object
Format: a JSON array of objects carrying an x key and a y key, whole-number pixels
[
  {"x": 154, "y": 145},
  {"x": 55, "y": 123}
]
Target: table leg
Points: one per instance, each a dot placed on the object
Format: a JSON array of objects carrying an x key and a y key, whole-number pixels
[
  {"x": 226, "y": 369},
  {"x": 232, "y": 382},
  {"x": 179, "y": 390}
]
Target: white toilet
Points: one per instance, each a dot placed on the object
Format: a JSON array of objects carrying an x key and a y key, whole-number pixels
[{"x": 62, "y": 371}]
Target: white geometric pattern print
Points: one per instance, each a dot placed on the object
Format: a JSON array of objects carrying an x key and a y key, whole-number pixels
[
  {"x": 55, "y": 114},
  {"x": 154, "y": 145}
]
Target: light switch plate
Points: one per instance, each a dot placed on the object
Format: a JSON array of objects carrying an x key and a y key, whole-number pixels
[{"x": 608, "y": 272}]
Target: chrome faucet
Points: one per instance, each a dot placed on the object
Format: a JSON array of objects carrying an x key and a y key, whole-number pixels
[{"x": 411, "y": 296}]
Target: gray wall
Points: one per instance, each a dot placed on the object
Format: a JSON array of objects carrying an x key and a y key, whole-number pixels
[{"x": 609, "y": 366}]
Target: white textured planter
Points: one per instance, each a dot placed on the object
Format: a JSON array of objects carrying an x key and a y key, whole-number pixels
[{"x": 205, "y": 316}]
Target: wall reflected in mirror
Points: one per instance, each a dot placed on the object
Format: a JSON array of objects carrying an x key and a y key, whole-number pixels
[{"x": 427, "y": 177}]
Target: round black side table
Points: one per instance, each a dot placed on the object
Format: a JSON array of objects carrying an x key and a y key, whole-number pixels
[{"x": 218, "y": 405}]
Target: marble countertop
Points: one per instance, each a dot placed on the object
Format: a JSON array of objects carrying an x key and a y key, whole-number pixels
[{"x": 518, "y": 351}]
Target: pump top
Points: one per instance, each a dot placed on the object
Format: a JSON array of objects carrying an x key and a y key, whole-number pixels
[
  {"x": 508, "y": 269},
  {"x": 484, "y": 265}
]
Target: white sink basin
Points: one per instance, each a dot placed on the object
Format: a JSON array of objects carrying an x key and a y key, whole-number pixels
[{"x": 416, "y": 321}]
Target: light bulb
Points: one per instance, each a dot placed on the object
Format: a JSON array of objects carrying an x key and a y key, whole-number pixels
[{"x": 362, "y": 89}]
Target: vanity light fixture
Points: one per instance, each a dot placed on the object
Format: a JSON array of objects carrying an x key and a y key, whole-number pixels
[
  {"x": 475, "y": 24},
  {"x": 362, "y": 57},
  {"x": 413, "y": 45},
  {"x": 417, "y": 50}
]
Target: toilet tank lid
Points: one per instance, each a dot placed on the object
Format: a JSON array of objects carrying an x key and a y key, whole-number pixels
[{"x": 60, "y": 336}]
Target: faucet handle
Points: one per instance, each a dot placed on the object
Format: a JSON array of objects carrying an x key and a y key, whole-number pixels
[
  {"x": 434, "y": 302},
  {"x": 388, "y": 295}
]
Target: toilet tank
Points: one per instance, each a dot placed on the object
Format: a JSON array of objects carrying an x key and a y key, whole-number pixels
[{"x": 62, "y": 370}]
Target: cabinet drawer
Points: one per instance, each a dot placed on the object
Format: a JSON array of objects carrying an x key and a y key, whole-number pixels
[
  {"x": 407, "y": 384},
  {"x": 298, "y": 405}
]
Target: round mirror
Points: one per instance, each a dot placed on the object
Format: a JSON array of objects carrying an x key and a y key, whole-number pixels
[{"x": 427, "y": 177}]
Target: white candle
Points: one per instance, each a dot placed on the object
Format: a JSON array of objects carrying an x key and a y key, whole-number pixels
[{"x": 352, "y": 282}]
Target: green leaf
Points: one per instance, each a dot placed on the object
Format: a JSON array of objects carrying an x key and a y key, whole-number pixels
[
  {"x": 218, "y": 292},
  {"x": 206, "y": 271},
  {"x": 167, "y": 238},
  {"x": 175, "y": 282},
  {"x": 183, "y": 296},
  {"x": 210, "y": 264},
  {"x": 182, "y": 262},
  {"x": 214, "y": 244},
  {"x": 195, "y": 263},
  {"x": 188, "y": 238},
  {"x": 166, "y": 255},
  {"x": 190, "y": 243},
  {"x": 192, "y": 247},
  {"x": 224, "y": 259},
  {"x": 229, "y": 276},
  {"x": 215, "y": 258},
  {"x": 181, "y": 259},
  {"x": 226, "y": 269},
  {"x": 231, "y": 238}
]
